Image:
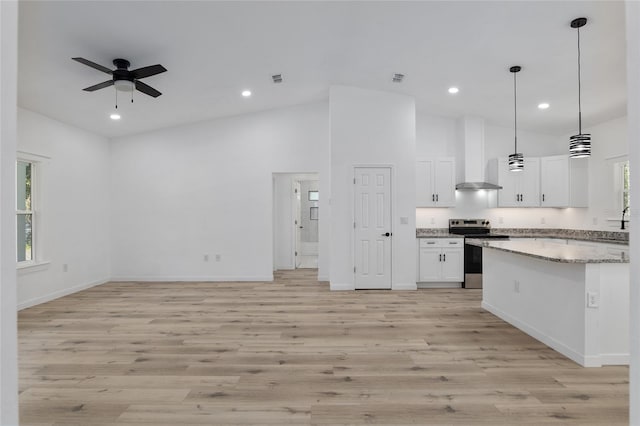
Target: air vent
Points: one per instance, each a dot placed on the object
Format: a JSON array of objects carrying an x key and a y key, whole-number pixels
[
  {"x": 277, "y": 78},
  {"x": 397, "y": 78}
]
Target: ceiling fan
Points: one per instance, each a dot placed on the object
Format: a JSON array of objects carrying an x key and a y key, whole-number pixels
[{"x": 123, "y": 79}]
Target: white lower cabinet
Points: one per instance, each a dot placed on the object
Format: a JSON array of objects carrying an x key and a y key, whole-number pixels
[{"x": 440, "y": 259}]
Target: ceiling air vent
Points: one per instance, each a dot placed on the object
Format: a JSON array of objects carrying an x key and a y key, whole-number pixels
[
  {"x": 277, "y": 78},
  {"x": 397, "y": 78}
]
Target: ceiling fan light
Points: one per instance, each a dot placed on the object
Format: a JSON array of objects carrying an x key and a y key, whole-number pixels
[
  {"x": 516, "y": 162},
  {"x": 124, "y": 85}
]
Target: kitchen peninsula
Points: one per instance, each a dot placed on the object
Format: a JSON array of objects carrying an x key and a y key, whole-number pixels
[{"x": 574, "y": 298}]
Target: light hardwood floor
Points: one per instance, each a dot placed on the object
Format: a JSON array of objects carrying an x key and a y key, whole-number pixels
[{"x": 291, "y": 352}]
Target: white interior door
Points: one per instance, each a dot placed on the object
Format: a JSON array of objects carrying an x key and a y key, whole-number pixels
[{"x": 373, "y": 228}]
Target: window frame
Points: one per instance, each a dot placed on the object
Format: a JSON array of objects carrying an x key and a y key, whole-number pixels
[
  {"x": 31, "y": 211},
  {"x": 622, "y": 184},
  {"x": 39, "y": 164}
]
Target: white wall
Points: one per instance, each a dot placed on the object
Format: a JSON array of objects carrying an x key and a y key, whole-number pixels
[
  {"x": 8, "y": 327},
  {"x": 633, "y": 110},
  {"x": 72, "y": 216},
  {"x": 206, "y": 188},
  {"x": 372, "y": 128},
  {"x": 609, "y": 140}
]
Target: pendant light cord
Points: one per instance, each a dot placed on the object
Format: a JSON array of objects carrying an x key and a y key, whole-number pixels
[
  {"x": 515, "y": 113},
  {"x": 579, "y": 89}
]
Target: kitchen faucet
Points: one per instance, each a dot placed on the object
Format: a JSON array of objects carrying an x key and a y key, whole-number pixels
[{"x": 623, "y": 221}]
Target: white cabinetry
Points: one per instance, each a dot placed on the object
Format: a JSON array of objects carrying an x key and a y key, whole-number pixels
[
  {"x": 440, "y": 259},
  {"x": 519, "y": 189},
  {"x": 563, "y": 181},
  {"x": 435, "y": 182},
  {"x": 554, "y": 181}
]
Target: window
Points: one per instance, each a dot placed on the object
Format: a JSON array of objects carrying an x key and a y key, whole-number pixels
[
  {"x": 622, "y": 184},
  {"x": 314, "y": 196},
  {"x": 25, "y": 211}
]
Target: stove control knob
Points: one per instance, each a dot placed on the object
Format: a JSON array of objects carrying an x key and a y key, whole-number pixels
[{"x": 487, "y": 223}]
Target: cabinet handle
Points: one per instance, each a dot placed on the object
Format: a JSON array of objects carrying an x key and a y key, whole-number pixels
[
  {"x": 517, "y": 197},
  {"x": 521, "y": 197},
  {"x": 433, "y": 197},
  {"x": 431, "y": 242},
  {"x": 444, "y": 257},
  {"x": 437, "y": 197},
  {"x": 439, "y": 258},
  {"x": 542, "y": 197}
]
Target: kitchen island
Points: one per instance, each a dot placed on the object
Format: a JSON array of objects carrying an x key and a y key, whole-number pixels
[{"x": 573, "y": 298}]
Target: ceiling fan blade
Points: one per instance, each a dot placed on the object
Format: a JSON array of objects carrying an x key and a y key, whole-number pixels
[
  {"x": 148, "y": 71},
  {"x": 147, "y": 90},
  {"x": 93, "y": 65},
  {"x": 99, "y": 86}
]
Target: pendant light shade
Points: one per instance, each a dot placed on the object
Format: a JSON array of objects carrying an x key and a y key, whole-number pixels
[
  {"x": 516, "y": 160},
  {"x": 580, "y": 144}
]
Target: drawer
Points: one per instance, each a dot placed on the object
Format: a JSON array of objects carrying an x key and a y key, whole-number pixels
[{"x": 441, "y": 242}]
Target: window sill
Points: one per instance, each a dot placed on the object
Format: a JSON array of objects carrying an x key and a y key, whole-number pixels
[{"x": 29, "y": 267}]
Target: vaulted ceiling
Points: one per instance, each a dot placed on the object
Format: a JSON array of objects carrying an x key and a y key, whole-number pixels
[{"x": 214, "y": 50}]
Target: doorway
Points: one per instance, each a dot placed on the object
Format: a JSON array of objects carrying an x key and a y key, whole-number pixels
[
  {"x": 296, "y": 220},
  {"x": 372, "y": 234}
]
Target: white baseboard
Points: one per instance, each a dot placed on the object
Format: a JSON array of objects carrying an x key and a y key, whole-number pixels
[
  {"x": 404, "y": 286},
  {"x": 439, "y": 285},
  {"x": 341, "y": 286},
  {"x": 60, "y": 293},
  {"x": 547, "y": 340},
  {"x": 614, "y": 359},
  {"x": 323, "y": 278},
  {"x": 164, "y": 278}
]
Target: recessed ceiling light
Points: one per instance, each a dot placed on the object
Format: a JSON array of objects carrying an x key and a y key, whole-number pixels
[
  {"x": 453, "y": 90},
  {"x": 115, "y": 116},
  {"x": 246, "y": 93},
  {"x": 543, "y": 105}
]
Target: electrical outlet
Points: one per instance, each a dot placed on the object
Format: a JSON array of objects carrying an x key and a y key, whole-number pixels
[
  {"x": 516, "y": 286},
  {"x": 206, "y": 257},
  {"x": 592, "y": 299},
  {"x": 65, "y": 268},
  {"x": 501, "y": 220},
  {"x": 218, "y": 257}
]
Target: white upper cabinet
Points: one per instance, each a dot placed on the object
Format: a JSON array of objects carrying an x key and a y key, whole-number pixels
[
  {"x": 435, "y": 182},
  {"x": 554, "y": 181},
  {"x": 519, "y": 189},
  {"x": 563, "y": 181}
]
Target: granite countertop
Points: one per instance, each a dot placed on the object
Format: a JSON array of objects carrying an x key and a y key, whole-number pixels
[
  {"x": 609, "y": 237},
  {"x": 435, "y": 233},
  {"x": 555, "y": 252},
  {"x": 614, "y": 237}
]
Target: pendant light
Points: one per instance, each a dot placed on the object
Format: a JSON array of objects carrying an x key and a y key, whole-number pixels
[
  {"x": 516, "y": 160},
  {"x": 580, "y": 144}
]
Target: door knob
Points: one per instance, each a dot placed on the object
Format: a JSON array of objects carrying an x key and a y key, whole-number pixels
[{"x": 387, "y": 234}]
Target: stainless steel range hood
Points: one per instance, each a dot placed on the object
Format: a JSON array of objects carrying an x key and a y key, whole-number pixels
[
  {"x": 470, "y": 152},
  {"x": 474, "y": 186}
]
